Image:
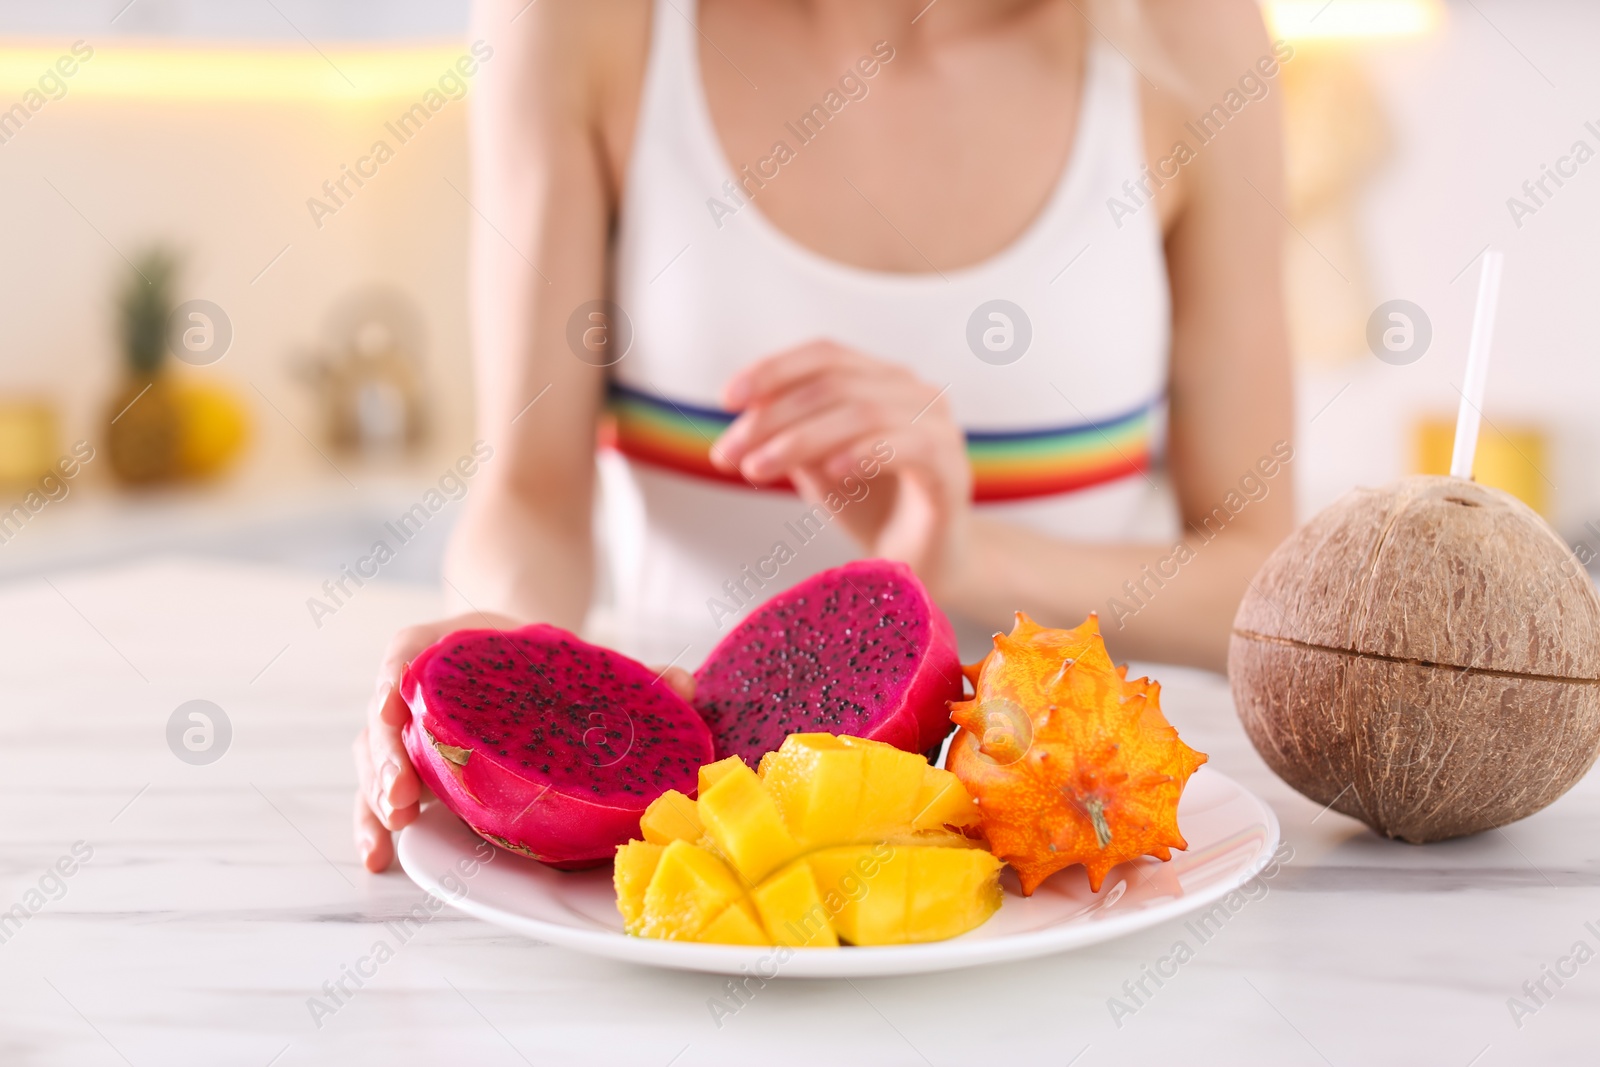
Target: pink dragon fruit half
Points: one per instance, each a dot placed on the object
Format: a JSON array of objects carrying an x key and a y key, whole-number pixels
[
  {"x": 545, "y": 744},
  {"x": 861, "y": 649}
]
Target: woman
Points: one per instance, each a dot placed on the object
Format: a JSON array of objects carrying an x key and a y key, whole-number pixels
[{"x": 902, "y": 258}]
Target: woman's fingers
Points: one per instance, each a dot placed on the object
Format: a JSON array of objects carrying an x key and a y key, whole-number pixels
[
  {"x": 403, "y": 648},
  {"x": 679, "y": 681},
  {"x": 394, "y": 789},
  {"x": 864, "y": 456},
  {"x": 811, "y": 441},
  {"x": 782, "y": 370},
  {"x": 761, "y": 421},
  {"x": 805, "y": 422},
  {"x": 389, "y": 794},
  {"x": 394, "y": 803},
  {"x": 387, "y": 706},
  {"x": 373, "y": 842}
]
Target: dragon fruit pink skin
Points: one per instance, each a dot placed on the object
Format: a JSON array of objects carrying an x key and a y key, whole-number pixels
[
  {"x": 545, "y": 744},
  {"x": 860, "y": 649}
]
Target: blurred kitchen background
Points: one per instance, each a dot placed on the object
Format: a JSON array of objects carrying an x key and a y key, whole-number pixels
[{"x": 184, "y": 149}]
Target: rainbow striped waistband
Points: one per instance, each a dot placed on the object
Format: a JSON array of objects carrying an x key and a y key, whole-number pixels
[{"x": 1006, "y": 465}]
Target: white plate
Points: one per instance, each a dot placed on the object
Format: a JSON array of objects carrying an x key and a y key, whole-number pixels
[{"x": 1232, "y": 834}]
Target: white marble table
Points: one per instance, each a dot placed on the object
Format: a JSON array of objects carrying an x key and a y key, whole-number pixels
[{"x": 219, "y": 899}]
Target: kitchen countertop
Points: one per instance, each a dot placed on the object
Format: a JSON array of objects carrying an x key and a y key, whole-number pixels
[{"x": 215, "y": 901}]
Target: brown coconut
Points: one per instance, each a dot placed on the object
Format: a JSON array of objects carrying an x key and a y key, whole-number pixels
[{"x": 1424, "y": 657}]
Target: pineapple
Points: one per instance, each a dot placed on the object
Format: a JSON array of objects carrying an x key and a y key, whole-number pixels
[{"x": 143, "y": 427}]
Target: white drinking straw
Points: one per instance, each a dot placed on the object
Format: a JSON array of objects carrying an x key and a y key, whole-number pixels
[{"x": 1471, "y": 412}]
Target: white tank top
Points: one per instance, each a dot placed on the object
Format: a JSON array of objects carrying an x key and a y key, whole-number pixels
[{"x": 1054, "y": 350}]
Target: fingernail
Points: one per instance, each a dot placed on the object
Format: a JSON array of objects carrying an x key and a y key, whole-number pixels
[
  {"x": 366, "y": 843},
  {"x": 380, "y": 694},
  {"x": 386, "y": 776}
]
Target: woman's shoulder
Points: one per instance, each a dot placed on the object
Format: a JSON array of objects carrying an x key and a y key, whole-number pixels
[
  {"x": 577, "y": 44},
  {"x": 569, "y": 65},
  {"x": 1206, "y": 42}
]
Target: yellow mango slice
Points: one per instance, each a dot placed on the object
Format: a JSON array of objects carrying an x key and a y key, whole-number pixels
[
  {"x": 688, "y": 889},
  {"x": 939, "y": 838},
  {"x": 892, "y": 895},
  {"x": 864, "y": 889},
  {"x": 635, "y": 864},
  {"x": 712, "y": 773},
  {"x": 835, "y": 839},
  {"x": 791, "y": 909},
  {"x": 891, "y": 785},
  {"x": 742, "y": 820},
  {"x": 849, "y": 790},
  {"x": 736, "y": 925},
  {"x": 943, "y": 801},
  {"x": 949, "y": 891},
  {"x": 816, "y": 782},
  {"x": 672, "y": 816}
]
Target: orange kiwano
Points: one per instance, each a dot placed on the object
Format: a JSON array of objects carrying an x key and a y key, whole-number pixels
[{"x": 1070, "y": 761}]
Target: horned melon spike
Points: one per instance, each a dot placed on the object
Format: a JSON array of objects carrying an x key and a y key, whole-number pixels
[
  {"x": 1061, "y": 675},
  {"x": 1024, "y": 627}
]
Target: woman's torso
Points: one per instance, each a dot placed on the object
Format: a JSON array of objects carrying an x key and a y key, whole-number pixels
[{"x": 1053, "y": 346}]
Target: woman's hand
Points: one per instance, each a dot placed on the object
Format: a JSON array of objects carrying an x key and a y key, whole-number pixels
[
  {"x": 824, "y": 416},
  {"x": 390, "y": 794}
]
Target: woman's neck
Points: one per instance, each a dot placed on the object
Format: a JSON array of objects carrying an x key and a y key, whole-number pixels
[{"x": 928, "y": 18}]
